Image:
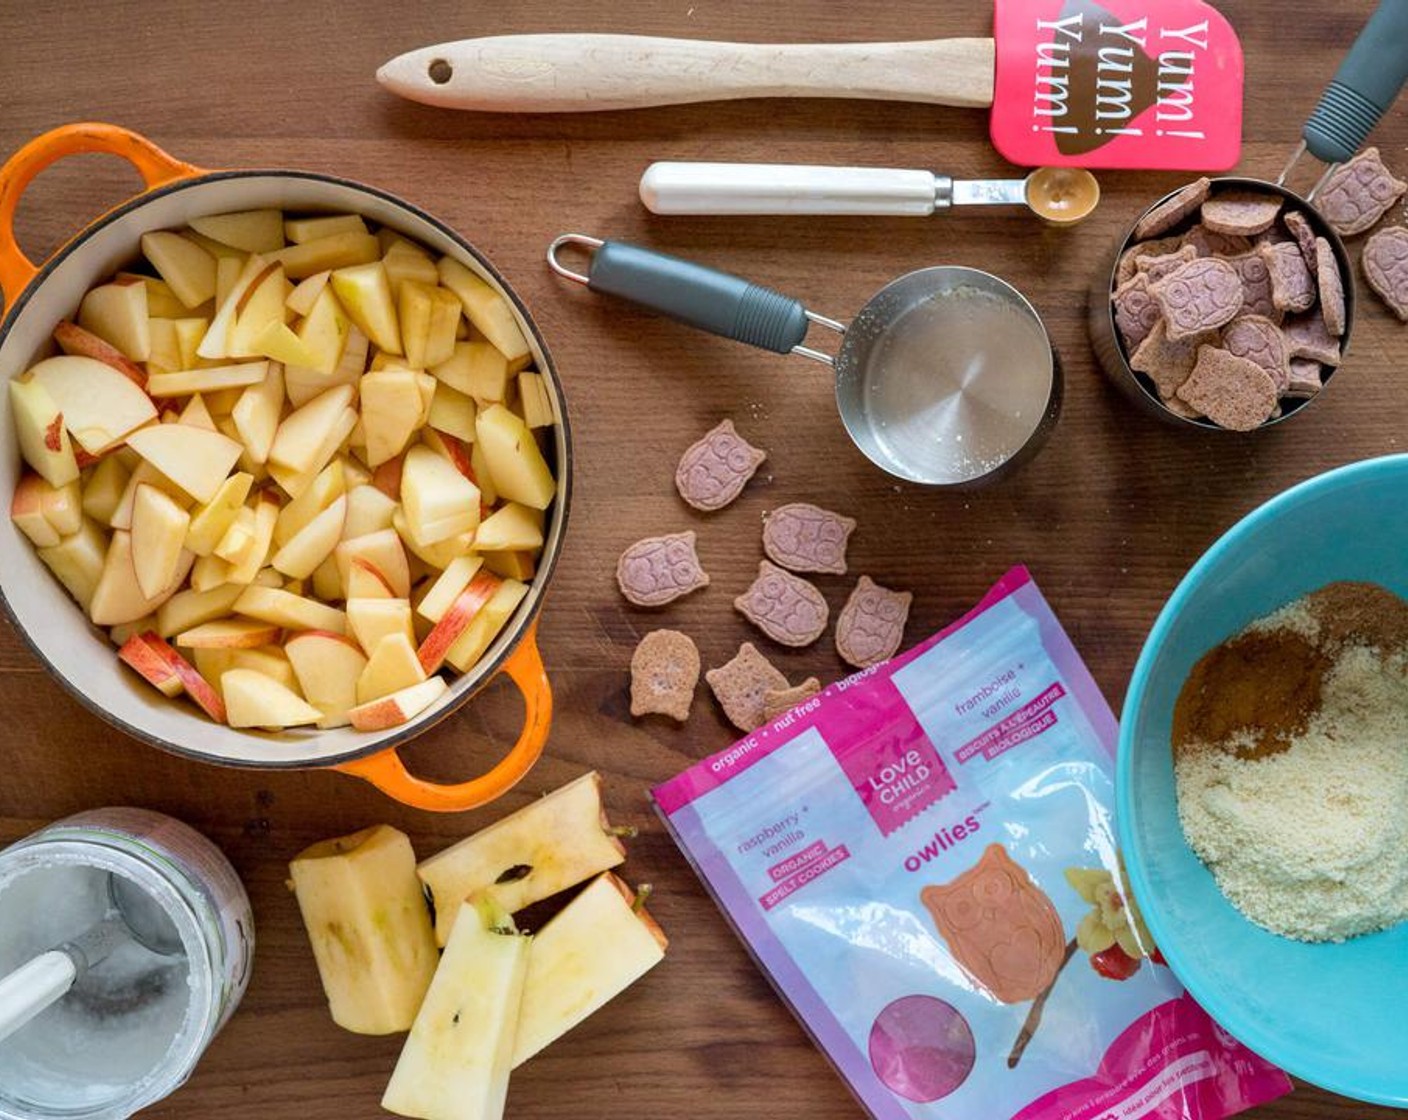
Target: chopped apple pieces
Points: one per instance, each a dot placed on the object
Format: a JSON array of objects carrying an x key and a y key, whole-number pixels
[
  {"x": 519, "y": 470},
  {"x": 43, "y": 439},
  {"x": 365, "y": 292},
  {"x": 438, "y": 500},
  {"x": 267, "y": 443},
  {"x": 99, "y": 405},
  {"x": 46, "y": 514},
  {"x": 486, "y": 309},
  {"x": 254, "y": 231},
  {"x": 398, "y": 708},
  {"x": 196, "y": 459},
  {"x": 117, "y": 313},
  {"x": 185, "y": 267},
  {"x": 253, "y": 699},
  {"x": 159, "y": 664},
  {"x": 73, "y": 339},
  {"x": 158, "y": 538},
  {"x": 328, "y": 666}
]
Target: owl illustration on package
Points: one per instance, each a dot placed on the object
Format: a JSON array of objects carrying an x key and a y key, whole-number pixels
[{"x": 999, "y": 926}]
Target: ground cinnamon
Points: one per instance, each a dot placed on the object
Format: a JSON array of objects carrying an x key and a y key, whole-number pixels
[
  {"x": 1257, "y": 691},
  {"x": 1359, "y": 614}
]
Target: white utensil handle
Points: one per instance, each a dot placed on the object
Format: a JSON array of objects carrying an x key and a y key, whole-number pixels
[
  {"x": 775, "y": 188},
  {"x": 32, "y": 987},
  {"x": 578, "y": 72}
]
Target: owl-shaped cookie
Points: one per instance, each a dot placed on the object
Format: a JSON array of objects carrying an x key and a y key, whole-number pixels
[{"x": 999, "y": 926}]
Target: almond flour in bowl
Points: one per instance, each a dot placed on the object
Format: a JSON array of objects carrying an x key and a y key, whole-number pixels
[{"x": 1291, "y": 760}]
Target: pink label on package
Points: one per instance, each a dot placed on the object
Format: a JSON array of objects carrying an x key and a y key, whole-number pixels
[
  {"x": 898, "y": 775},
  {"x": 1025, "y": 723},
  {"x": 1171, "y": 1063},
  {"x": 780, "y": 871},
  {"x": 809, "y": 873}
]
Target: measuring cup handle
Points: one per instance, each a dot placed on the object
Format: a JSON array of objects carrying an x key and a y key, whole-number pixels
[
  {"x": 1366, "y": 84},
  {"x": 701, "y": 297}
]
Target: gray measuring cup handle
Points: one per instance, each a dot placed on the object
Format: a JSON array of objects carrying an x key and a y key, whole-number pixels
[
  {"x": 713, "y": 301},
  {"x": 1366, "y": 84}
]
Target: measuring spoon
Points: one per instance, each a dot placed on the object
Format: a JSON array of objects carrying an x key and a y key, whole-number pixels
[
  {"x": 1059, "y": 195},
  {"x": 46, "y": 979}
]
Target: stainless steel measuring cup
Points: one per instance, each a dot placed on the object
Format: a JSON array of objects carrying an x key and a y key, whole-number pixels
[{"x": 946, "y": 377}]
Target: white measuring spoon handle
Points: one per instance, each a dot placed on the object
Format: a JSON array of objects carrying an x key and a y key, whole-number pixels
[
  {"x": 32, "y": 987},
  {"x": 771, "y": 188}
]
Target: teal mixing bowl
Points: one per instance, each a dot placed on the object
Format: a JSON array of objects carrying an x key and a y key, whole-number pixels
[{"x": 1332, "y": 1014}]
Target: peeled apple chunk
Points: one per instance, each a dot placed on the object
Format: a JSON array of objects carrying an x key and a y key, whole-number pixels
[
  {"x": 118, "y": 597},
  {"x": 118, "y": 314},
  {"x": 456, "y": 1061},
  {"x": 365, "y": 294},
  {"x": 369, "y": 927},
  {"x": 552, "y": 844},
  {"x": 254, "y": 231},
  {"x": 195, "y": 459},
  {"x": 438, "y": 500},
  {"x": 255, "y": 700},
  {"x": 486, "y": 309},
  {"x": 187, "y": 268},
  {"x": 519, "y": 470},
  {"x": 596, "y": 947}
]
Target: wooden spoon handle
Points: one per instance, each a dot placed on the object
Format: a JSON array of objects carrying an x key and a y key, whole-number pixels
[{"x": 575, "y": 73}]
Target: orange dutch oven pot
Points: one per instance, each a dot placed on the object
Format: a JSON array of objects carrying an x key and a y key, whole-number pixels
[{"x": 36, "y": 297}]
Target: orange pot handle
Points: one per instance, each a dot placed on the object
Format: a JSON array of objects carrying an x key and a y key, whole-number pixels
[
  {"x": 154, "y": 165},
  {"x": 388, "y": 773}
]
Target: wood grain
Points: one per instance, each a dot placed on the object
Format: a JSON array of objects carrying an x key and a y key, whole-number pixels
[{"x": 1109, "y": 516}]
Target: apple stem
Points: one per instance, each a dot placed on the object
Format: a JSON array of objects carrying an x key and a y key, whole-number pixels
[
  {"x": 624, "y": 832},
  {"x": 1038, "y": 1005},
  {"x": 643, "y": 892}
]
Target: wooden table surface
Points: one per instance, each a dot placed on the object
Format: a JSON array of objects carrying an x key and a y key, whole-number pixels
[{"x": 1108, "y": 517}]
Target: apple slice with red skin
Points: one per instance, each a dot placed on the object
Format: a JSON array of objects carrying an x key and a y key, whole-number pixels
[
  {"x": 73, "y": 339},
  {"x": 398, "y": 708},
  {"x": 456, "y": 620},
  {"x": 453, "y": 448},
  {"x": 387, "y": 477},
  {"x": 457, "y": 451},
  {"x": 137, "y": 653},
  {"x": 159, "y": 650},
  {"x": 366, "y": 581},
  {"x": 230, "y": 633}
]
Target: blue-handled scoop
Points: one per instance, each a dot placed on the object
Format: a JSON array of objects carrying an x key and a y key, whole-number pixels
[{"x": 1368, "y": 81}]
